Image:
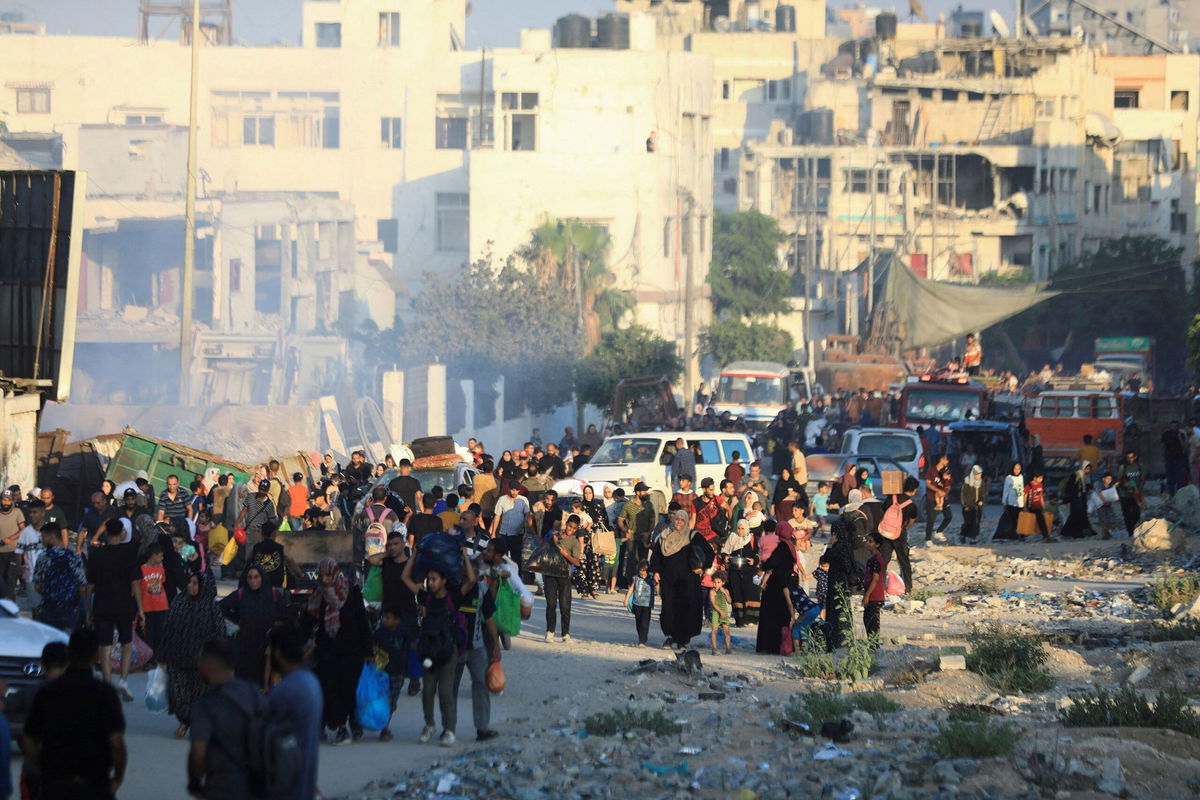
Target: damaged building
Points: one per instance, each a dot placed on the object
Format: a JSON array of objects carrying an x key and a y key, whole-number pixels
[{"x": 279, "y": 278}]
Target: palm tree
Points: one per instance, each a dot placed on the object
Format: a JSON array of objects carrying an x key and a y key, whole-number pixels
[{"x": 572, "y": 253}]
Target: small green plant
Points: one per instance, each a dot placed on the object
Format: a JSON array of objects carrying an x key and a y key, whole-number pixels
[
  {"x": 814, "y": 661},
  {"x": 817, "y": 708},
  {"x": 975, "y": 739},
  {"x": 1127, "y": 708},
  {"x": 1165, "y": 593},
  {"x": 923, "y": 593},
  {"x": 1184, "y": 630},
  {"x": 610, "y": 723},
  {"x": 856, "y": 663},
  {"x": 1012, "y": 660}
]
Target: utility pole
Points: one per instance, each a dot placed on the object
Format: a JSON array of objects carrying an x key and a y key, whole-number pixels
[
  {"x": 689, "y": 317},
  {"x": 189, "y": 223}
]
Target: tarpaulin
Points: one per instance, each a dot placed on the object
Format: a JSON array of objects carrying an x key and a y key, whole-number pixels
[{"x": 933, "y": 313}]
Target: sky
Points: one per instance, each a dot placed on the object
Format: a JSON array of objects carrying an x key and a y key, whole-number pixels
[{"x": 492, "y": 23}]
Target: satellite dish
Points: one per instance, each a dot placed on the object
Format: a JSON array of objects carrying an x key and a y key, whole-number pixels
[
  {"x": 1030, "y": 27},
  {"x": 917, "y": 10},
  {"x": 998, "y": 24}
]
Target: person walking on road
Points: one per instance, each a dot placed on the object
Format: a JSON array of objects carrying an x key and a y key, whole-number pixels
[
  {"x": 297, "y": 699},
  {"x": 221, "y": 725},
  {"x": 1131, "y": 482}
]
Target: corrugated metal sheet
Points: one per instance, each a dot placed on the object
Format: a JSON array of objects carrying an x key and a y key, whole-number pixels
[{"x": 40, "y": 242}]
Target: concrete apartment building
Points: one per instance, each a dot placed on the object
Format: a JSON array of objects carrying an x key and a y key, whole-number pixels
[
  {"x": 1035, "y": 149},
  {"x": 334, "y": 175}
]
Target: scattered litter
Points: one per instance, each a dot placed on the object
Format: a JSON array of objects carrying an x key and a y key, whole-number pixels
[
  {"x": 660, "y": 769},
  {"x": 446, "y": 783},
  {"x": 689, "y": 751},
  {"x": 829, "y": 752}
]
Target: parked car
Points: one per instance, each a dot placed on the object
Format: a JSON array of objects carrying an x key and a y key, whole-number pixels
[
  {"x": 899, "y": 444},
  {"x": 21, "y": 643},
  {"x": 830, "y": 467}
]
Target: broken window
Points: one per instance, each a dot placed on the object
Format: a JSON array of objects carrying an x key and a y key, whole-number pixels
[
  {"x": 391, "y": 132},
  {"x": 389, "y": 28},
  {"x": 949, "y": 96},
  {"x": 858, "y": 181},
  {"x": 726, "y": 90},
  {"x": 33, "y": 101},
  {"x": 1125, "y": 98},
  {"x": 729, "y": 186},
  {"x": 779, "y": 90},
  {"x": 1179, "y": 101},
  {"x": 452, "y": 212},
  {"x": 724, "y": 160},
  {"x": 329, "y": 34}
]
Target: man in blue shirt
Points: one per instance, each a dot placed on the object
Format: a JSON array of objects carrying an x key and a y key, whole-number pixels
[{"x": 297, "y": 698}]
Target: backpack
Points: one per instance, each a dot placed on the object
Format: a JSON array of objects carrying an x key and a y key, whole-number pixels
[
  {"x": 892, "y": 524},
  {"x": 273, "y": 757},
  {"x": 442, "y": 632}
]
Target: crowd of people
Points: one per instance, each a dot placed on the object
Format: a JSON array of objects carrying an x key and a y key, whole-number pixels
[{"x": 753, "y": 548}]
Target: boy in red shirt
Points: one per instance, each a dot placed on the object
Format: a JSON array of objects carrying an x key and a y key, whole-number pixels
[
  {"x": 154, "y": 596},
  {"x": 875, "y": 579},
  {"x": 297, "y": 502}
]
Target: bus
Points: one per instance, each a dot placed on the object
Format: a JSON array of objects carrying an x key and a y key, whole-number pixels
[
  {"x": 934, "y": 402},
  {"x": 752, "y": 391},
  {"x": 1060, "y": 419}
]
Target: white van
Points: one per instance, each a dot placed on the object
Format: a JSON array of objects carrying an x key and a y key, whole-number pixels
[{"x": 625, "y": 460}]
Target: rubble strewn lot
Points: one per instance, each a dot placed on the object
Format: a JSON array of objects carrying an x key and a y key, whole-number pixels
[{"x": 924, "y": 723}]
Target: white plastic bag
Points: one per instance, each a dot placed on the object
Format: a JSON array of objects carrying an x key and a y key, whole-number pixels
[{"x": 156, "y": 690}]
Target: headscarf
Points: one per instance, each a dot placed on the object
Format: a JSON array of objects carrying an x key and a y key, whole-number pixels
[
  {"x": 849, "y": 480},
  {"x": 673, "y": 541},
  {"x": 334, "y": 596},
  {"x": 975, "y": 477},
  {"x": 781, "y": 486},
  {"x": 191, "y": 621},
  {"x": 738, "y": 539},
  {"x": 853, "y": 500}
]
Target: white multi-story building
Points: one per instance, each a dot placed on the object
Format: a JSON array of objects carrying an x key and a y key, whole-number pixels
[{"x": 442, "y": 154}]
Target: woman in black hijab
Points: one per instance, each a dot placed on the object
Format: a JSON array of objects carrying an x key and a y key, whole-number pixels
[
  {"x": 193, "y": 619},
  {"x": 678, "y": 559},
  {"x": 255, "y": 607}
]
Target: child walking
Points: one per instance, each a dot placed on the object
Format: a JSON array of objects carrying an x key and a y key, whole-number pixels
[
  {"x": 876, "y": 586},
  {"x": 392, "y": 644},
  {"x": 722, "y": 609},
  {"x": 640, "y": 600}
]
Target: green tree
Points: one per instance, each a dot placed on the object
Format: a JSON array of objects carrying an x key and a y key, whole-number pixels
[
  {"x": 745, "y": 277},
  {"x": 734, "y": 340},
  {"x": 627, "y": 353},
  {"x": 477, "y": 322},
  {"x": 1131, "y": 286},
  {"x": 566, "y": 250},
  {"x": 1193, "y": 341}
]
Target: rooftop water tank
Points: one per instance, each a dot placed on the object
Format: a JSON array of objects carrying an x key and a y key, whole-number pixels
[
  {"x": 612, "y": 31},
  {"x": 885, "y": 25},
  {"x": 573, "y": 30}
]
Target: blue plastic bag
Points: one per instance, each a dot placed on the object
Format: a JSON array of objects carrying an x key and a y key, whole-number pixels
[
  {"x": 371, "y": 700},
  {"x": 156, "y": 690}
]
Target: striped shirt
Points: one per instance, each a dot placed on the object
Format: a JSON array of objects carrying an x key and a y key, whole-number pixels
[{"x": 177, "y": 508}]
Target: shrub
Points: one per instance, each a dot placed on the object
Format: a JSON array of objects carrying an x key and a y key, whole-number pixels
[
  {"x": 817, "y": 708},
  {"x": 857, "y": 662},
  {"x": 975, "y": 739},
  {"x": 609, "y": 723},
  {"x": 1012, "y": 660},
  {"x": 1164, "y": 594},
  {"x": 814, "y": 661},
  {"x": 1127, "y": 708},
  {"x": 923, "y": 593}
]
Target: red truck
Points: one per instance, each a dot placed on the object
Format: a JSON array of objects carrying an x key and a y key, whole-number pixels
[{"x": 936, "y": 402}]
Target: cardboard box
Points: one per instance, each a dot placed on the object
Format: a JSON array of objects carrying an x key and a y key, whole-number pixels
[
  {"x": 1027, "y": 523},
  {"x": 892, "y": 481}
]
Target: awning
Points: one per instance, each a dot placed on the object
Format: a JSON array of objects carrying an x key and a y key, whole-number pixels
[{"x": 933, "y": 313}]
